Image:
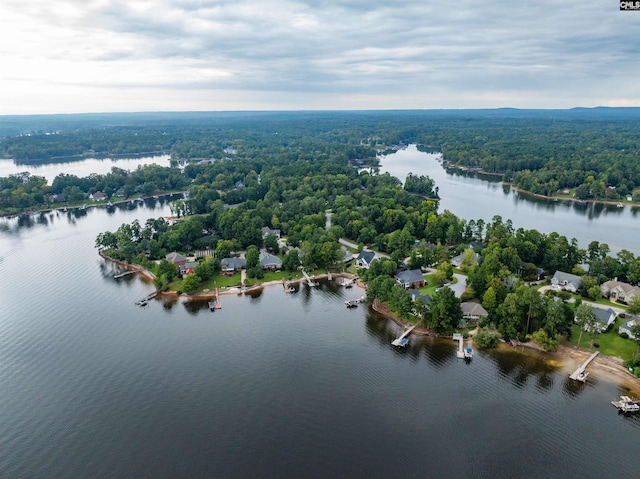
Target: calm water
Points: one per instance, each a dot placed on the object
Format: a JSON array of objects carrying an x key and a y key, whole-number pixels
[
  {"x": 80, "y": 168},
  {"x": 275, "y": 385},
  {"x": 471, "y": 197}
]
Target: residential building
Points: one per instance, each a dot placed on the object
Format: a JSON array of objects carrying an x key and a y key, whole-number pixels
[
  {"x": 365, "y": 258},
  {"x": 270, "y": 261},
  {"x": 177, "y": 259},
  {"x": 618, "y": 291},
  {"x": 411, "y": 278},
  {"x": 626, "y": 326},
  {"x": 266, "y": 231},
  {"x": 231, "y": 265},
  {"x": 472, "y": 311},
  {"x": 567, "y": 281}
]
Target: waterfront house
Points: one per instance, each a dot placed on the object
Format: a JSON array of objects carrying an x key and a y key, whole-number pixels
[
  {"x": 626, "y": 326},
  {"x": 472, "y": 311},
  {"x": 231, "y": 265},
  {"x": 188, "y": 268},
  {"x": 604, "y": 318},
  {"x": 416, "y": 294},
  {"x": 177, "y": 259},
  {"x": 411, "y": 278},
  {"x": 566, "y": 281},
  {"x": 98, "y": 196},
  {"x": 618, "y": 291},
  {"x": 365, "y": 258},
  {"x": 270, "y": 261}
]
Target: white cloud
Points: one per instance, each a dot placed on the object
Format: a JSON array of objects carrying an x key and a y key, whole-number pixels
[{"x": 128, "y": 55}]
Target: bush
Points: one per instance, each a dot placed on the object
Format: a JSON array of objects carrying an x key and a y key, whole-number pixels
[
  {"x": 487, "y": 338},
  {"x": 624, "y": 335},
  {"x": 466, "y": 296}
]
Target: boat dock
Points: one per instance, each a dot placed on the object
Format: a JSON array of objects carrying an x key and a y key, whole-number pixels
[
  {"x": 626, "y": 404},
  {"x": 580, "y": 374},
  {"x": 403, "y": 339},
  {"x": 310, "y": 282},
  {"x": 121, "y": 275},
  {"x": 144, "y": 301}
]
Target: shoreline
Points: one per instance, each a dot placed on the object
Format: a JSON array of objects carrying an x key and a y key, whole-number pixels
[
  {"x": 607, "y": 368},
  {"x": 538, "y": 195}
]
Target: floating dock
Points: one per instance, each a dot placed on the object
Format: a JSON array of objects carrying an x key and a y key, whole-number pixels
[
  {"x": 403, "y": 340},
  {"x": 460, "y": 338},
  {"x": 352, "y": 303},
  {"x": 626, "y": 404},
  {"x": 144, "y": 301},
  {"x": 580, "y": 374}
]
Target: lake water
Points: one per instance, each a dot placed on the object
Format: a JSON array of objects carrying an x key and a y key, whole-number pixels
[
  {"x": 469, "y": 196},
  {"x": 79, "y": 168},
  {"x": 271, "y": 386}
]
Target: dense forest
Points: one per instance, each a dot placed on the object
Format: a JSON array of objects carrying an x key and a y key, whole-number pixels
[{"x": 587, "y": 153}]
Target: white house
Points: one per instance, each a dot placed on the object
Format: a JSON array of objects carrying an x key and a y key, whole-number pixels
[
  {"x": 567, "y": 281},
  {"x": 365, "y": 258}
]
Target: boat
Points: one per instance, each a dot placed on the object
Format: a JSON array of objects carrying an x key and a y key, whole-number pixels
[
  {"x": 351, "y": 303},
  {"x": 84, "y": 207},
  {"x": 142, "y": 302},
  {"x": 468, "y": 353},
  {"x": 109, "y": 204},
  {"x": 400, "y": 342},
  {"x": 626, "y": 404},
  {"x": 620, "y": 205},
  {"x": 292, "y": 289},
  {"x": 212, "y": 305}
]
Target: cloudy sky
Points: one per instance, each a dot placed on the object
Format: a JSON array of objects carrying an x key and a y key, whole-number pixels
[{"x": 64, "y": 56}]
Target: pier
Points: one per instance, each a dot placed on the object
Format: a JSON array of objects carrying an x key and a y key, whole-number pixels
[
  {"x": 403, "y": 340},
  {"x": 121, "y": 275},
  {"x": 580, "y": 374},
  {"x": 310, "y": 282},
  {"x": 144, "y": 301}
]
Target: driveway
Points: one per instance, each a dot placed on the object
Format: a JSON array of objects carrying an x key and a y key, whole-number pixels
[{"x": 460, "y": 286}]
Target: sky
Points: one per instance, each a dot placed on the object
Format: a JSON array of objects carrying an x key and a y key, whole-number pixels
[{"x": 72, "y": 56}]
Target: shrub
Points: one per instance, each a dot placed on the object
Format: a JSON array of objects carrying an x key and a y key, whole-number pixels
[
  {"x": 487, "y": 338},
  {"x": 624, "y": 335}
]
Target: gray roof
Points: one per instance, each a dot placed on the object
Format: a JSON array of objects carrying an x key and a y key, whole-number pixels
[
  {"x": 604, "y": 316},
  {"x": 416, "y": 294},
  {"x": 473, "y": 309},
  {"x": 565, "y": 278},
  {"x": 233, "y": 263},
  {"x": 410, "y": 276},
  {"x": 174, "y": 257},
  {"x": 267, "y": 260}
]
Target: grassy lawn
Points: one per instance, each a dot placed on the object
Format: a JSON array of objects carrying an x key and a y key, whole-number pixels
[
  {"x": 430, "y": 285},
  {"x": 611, "y": 343}
]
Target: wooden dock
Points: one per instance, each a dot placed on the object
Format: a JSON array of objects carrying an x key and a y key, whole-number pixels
[
  {"x": 403, "y": 339},
  {"x": 580, "y": 374},
  {"x": 310, "y": 282},
  {"x": 121, "y": 275}
]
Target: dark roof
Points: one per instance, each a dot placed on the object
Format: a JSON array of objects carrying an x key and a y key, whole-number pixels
[
  {"x": 604, "y": 315},
  {"x": 410, "y": 276},
  {"x": 367, "y": 256},
  {"x": 416, "y": 294},
  {"x": 233, "y": 263},
  {"x": 267, "y": 259}
]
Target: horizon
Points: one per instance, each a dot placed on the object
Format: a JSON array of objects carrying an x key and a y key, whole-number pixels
[{"x": 111, "y": 56}]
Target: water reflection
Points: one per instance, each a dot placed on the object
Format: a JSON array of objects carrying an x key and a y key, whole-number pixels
[{"x": 519, "y": 367}]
